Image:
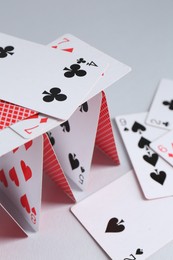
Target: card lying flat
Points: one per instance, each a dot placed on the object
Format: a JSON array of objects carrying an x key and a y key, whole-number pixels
[
  {"x": 44, "y": 80},
  {"x": 123, "y": 223},
  {"x": 154, "y": 174},
  {"x": 161, "y": 111},
  {"x": 164, "y": 147},
  {"x": 70, "y": 44},
  {"x": 11, "y": 114}
]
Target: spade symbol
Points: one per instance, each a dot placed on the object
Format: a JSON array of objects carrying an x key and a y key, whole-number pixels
[
  {"x": 158, "y": 177},
  {"x": 74, "y": 162},
  {"x": 114, "y": 226},
  {"x": 139, "y": 251},
  {"x": 137, "y": 127},
  {"x": 151, "y": 159}
]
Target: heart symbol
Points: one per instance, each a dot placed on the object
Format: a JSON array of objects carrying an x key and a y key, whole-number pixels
[
  {"x": 25, "y": 203},
  {"x": 3, "y": 178},
  {"x": 139, "y": 251},
  {"x": 55, "y": 46},
  {"x": 27, "y": 173},
  {"x": 13, "y": 176},
  {"x": 74, "y": 162},
  {"x": 114, "y": 225},
  {"x": 28, "y": 145},
  {"x": 159, "y": 177},
  {"x": 137, "y": 126},
  {"x": 151, "y": 159},
  {"x": 34, "y": 211}
]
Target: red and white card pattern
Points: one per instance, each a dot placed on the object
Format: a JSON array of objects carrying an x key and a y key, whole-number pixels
[{"x": 66, "y": 152}]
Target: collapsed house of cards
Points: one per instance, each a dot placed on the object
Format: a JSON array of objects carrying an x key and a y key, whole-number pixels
[{"x": 52, "y": 109}]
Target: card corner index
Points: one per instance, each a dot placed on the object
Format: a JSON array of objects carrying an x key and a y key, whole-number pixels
[{"x": 105, "y": 138}]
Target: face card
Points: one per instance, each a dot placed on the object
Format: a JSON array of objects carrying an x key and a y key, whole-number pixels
[
  {"x": 164, "y": 147},
  {"x": 123, "y": 223},
  {"x": 73, "y": 141},
  {"x": 154, "y": 174},
  {"x": 11, "y": 114},
  {"x": 21, "y": 180},
  {"x": 70, "y": 44},
  {"x": 161, "y": 111},
  {"x": 35, "y": 125},
  {"x": 44, "y": 80}
]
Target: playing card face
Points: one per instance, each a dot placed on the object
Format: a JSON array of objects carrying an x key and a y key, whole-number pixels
[
  {"x": 154, "y": 174},
  {"x": 72, "y": 45},
  {"x": 123, "y": 223},
  {"x": 73, "y": 141},
  {"x": 164, "y": 147},
  {"x": 11, "y": 114},
  {"x": 21, "y": 182},
  {"x": 35, "y": 125},
  {"x": 44, "y": 80},
  {"x": 161, "y": 111}
]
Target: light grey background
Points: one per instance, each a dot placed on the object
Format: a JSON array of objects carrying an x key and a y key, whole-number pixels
[{"x": 138, "y": 33}]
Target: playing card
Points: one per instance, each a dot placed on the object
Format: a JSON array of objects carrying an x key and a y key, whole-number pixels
[
  {"x": 46, "y": 81},
  {"x": 164, "y": 146},
  {"x": 21, "y": 182},
  {"x": 154, "y": 174},
  {"x": 35, "y": 125},
  {"x": 70, "y": 44},
  {"x": 73, "y": 141},
  {"x": 11, "y": 114},
  {"x": 123, "y": 223},
  {"x": 161, "y": 111}
]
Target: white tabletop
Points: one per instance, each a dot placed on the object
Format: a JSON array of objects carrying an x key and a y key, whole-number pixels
[{"x": 138, "y": 33}]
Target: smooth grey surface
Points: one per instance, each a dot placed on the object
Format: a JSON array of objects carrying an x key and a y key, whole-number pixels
[{"x": 138, "y": 33}]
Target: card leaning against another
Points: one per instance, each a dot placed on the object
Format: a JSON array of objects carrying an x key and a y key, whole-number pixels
[
  {"x": 68, "y": 145},
  {"x": 123, "y": 223}
]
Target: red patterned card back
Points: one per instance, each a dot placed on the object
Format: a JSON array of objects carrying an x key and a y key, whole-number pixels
[
  {"x": 104, "y": 137},
  {"x": 52, "y": 167},
  {"x": 11, "y": 114}
]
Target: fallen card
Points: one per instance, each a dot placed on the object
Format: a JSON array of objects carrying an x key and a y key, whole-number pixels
[
  {"x": 161, "y": 111},
  {"x": 123, "y": 223},
  {"x": 154, "y": 174},
  {"x": 37, "y": 77},
  {"x": 11, "y": 114},
  {"x": 35, "y": 125},
  {"x": 164, "y": 147},
  {"x": 72, "y": 45}
]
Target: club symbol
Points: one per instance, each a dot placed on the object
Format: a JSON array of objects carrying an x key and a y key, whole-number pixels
[
  {"x": 74, "y": 70},
  {"x": 169, "y": 104},
  {"x": 81, "y": 60},
  {"x": 165, "y": 123},
  {"x": 5, "y": 51},
  {"x": 54, "y": 94}
]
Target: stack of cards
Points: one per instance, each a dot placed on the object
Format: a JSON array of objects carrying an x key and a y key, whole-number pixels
[
  {"x": 53, "y": 111},
  {"x": 126, "y": 218}
]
